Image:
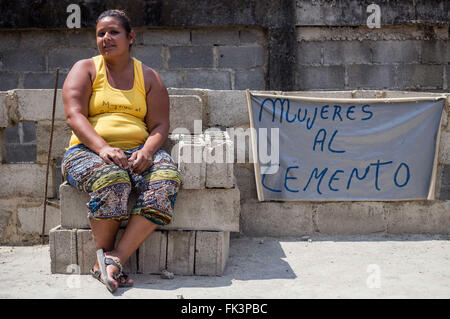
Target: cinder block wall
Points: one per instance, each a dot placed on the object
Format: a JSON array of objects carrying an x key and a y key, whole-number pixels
[
  {"x": 392, "y": 57},
  {"x": 288, "y": 45},
  {"x": 22, "y": 184},
  {"x": 214, "y": 58}
]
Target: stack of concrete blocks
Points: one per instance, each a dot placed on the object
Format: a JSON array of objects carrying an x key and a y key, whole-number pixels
[{"x": 207, "y": 209}]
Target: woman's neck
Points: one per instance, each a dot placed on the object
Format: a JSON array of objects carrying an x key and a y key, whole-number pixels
[{"x": 118, "y": 64}]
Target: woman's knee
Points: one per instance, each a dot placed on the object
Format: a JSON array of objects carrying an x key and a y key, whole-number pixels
[{"x": 110, "y": 202}]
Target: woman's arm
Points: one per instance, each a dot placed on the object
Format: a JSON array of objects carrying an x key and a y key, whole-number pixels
[
  {"x": 157, "y": 120},
  {"x": 76, "y": 92}
]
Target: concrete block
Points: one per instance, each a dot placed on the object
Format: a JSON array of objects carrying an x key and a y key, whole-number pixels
[
  {"x": 190, "y": 57},
  {"x": 240, "y": 56},
  {"x": 172, "y": 79},
  {"x": 444, "y": 148},
  {"x": 252, "y": 79},
  {"x": 43, "y": 80},
  {"x": 348, "y": 218},
  {"x": 190, "y": 161},
  {"x": 205, "y": 209},
  {"x": 309, "y": 53},
  {"x": 320, "y": 77},
  {"x": 418, "y": 217},
  {"x": 36, "y": 105},
  {"x": 82, "y": 38},
  {"x": 74, "y": 210},
  {"x": 63, "y": 249},
  {"x": 387, "y": 52},
  {"x": 31, "y": 39},
  {"x": 219, "y": 151},
  {"x": 20, "y": 153},
  {"x": 420, "y": 76},
  {"x": 9, "y": 39},
  {"x": 180, "y": 252},
  {"x": 167, "y": 37},
  {"x": 61, "y": 137},
  {"x": 25, "y": 180},
  {"x": 363, "y": 76},
  {"x": 86, "y": 250},
  {"x": 3, "y": 110},
  {"x": 211, "y": 252},
  {"x": 149, "y": 55},
  {"x": 184, "y": 110},
  {"x": 30, "y": 219},
  {"x": 218, "y": 37},
  {"x": 227, "y": 108},
  {"x": 276, "y": 218},
  {"x": 4, "y": 218},
  {"x": 346, "y": 52},
  {"x": 251, "y": 36},
  {"x": 209, "y": 79},
  {"x": 8, "y": 81},
  {"x": 65, "y": 58},
  {"x": 23, "y": 60},
  {"x": 434, "y": 52},
  {"x": 153, "y": 253}
]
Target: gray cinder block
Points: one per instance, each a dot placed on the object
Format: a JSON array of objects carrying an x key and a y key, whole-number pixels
[
  {"x": 220, "y": 209},
  {"x": 180, "y": 252},
  {"x": 153, "y": 253},
  {"x": 63, "y": 249},
  {"x": 219, "y": 151},
  {"x": 86, "y": 250},
  {"x": 191, "y": 165},
  {"x": 211, "y": 252},
  {"x": 184, "y": 110}
]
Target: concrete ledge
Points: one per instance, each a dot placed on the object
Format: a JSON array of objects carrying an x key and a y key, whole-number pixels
[
  {"x": 204, "y": 209},
  {"x": 280, "y": 219}
]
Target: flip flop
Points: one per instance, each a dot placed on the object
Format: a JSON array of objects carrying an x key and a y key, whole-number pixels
[
  {"x": 97, "y": 275},
  {"x": 103, "y": 262}
]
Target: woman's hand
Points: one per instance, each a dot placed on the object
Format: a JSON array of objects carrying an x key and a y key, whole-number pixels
[
  {"x": 140, "y": 161},
  {"x": 113, "y": 154}
]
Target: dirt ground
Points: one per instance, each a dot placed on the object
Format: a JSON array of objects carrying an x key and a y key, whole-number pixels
[{"x": 415, "y": 266}]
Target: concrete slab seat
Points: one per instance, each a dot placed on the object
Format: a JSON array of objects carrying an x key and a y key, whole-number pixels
[{"x": 196, "y": 242}]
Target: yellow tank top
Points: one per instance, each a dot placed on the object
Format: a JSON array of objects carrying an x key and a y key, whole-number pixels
[{"x": 118, "y": 116}]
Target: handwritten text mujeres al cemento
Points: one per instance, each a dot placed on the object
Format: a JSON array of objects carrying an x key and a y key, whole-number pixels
[{"x": 378, "y": 172}]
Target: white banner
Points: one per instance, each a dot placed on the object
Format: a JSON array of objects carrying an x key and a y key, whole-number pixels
[{"x": 342, "y": 149}]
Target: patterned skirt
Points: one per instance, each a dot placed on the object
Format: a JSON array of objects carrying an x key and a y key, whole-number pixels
[{"x": 109, "y": 185}]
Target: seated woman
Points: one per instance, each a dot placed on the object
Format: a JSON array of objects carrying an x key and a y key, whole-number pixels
[{"x": 118, "y": 109}]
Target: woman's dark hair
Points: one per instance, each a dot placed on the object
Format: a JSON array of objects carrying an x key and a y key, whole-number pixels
[{"x": 120, "y": 15}]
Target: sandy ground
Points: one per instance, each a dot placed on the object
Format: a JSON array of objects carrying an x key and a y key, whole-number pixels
[{"x": 281, "y": 268}]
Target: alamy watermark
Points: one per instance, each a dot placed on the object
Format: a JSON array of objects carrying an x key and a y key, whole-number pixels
[
  {"x": 74, "y": 19},
  {"x": 374, "y": 278},
  {"x": 230, "y": 146},
  {"x": 374, "y": 19}
]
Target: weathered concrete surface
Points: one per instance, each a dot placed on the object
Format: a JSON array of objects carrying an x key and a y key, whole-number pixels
[
  {"x": 26, "y": 180},
  {"x": 181, "y": 252},
  {"x": 211, "y": 252},
  {"x": 374, "y": 267}
]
